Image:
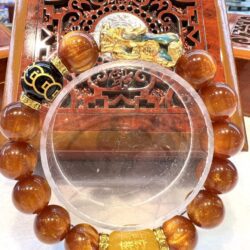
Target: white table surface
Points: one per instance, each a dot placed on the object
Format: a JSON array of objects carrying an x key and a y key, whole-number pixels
[{"x": 16, "y": 229}]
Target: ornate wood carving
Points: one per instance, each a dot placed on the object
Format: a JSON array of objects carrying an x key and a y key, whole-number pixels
[
  {"x": 125, "y": 88},
  {"x": 60, "y": 17},
  {"x": 127, "y": 91},
  {"x": 183, "y": 17}
]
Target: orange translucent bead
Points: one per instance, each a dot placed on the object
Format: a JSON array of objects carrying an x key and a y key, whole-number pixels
[
  {"x": 220, "y": 100},
  {"x": 206, "y": 210},
  {"x": 52, "y": 224},
  {"x": 31, "y": 195},
  {"x": 19, "y": 122},
  {"x": 17, "y": 160},
  {"x": 197, "y": 67},
  {"x": 228, "y": 139},
  {"x": 78, "y": 51},
  {"x": 82, "y": 237},
  {"x": 180, "y": 233},
  {"x": 223, "y": 176}
]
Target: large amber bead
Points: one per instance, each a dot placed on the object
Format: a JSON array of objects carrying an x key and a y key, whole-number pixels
[
  {"x": 220, "y": 100},
  {"x": 17, "y": 160},
  {"x": 228, "y": 139},
  {"x": 206, "y": 210},
  {"x": 180, "y": 233},
  {"x": 223, "y": 176},
  {"x": 197, "y": 67},
  {"x": 82, "y": 237},
  {"x": 31, "y": 195},
  {"x": 78, "y": 51},
  {"x": 19, "y": 122},
  {"x": 52, "y": 224}
]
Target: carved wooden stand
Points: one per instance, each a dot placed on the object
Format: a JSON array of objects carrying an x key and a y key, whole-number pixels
[{"x": 200, "y": 23}]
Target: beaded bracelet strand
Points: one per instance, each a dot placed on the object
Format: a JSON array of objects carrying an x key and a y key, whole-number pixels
[{"x": 19, "y": 123}]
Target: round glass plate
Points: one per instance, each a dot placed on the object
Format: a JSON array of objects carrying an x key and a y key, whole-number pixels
[{"x": 121, "y": 143}]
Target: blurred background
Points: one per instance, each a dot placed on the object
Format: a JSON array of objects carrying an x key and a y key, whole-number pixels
[
  {"x": 6, "y": 12},
  {"x": 239, "y": 6}
]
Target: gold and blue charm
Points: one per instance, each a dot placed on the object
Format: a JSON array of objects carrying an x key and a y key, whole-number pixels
[{"x": 129, "y": 43}]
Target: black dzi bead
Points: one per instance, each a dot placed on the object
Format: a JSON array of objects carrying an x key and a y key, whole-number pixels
[{"x": 42, "y": 82}]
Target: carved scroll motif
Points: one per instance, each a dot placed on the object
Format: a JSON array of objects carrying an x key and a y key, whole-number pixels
[{"x": 126, "y": 88}]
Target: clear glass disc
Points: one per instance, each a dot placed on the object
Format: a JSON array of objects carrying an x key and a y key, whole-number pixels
[{"x": 122, "y": 153}]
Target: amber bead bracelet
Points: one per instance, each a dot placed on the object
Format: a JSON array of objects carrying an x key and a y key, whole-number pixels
[{"x": 19, "y": 122}]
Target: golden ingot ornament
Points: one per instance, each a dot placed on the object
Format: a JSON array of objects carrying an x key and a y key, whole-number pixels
[
  {"x": 137, "y": 240},
  {"x": 130, "y": 43}
]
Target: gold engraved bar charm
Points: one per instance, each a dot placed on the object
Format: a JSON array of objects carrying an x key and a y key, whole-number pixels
[{"x": 137, "y": 240}]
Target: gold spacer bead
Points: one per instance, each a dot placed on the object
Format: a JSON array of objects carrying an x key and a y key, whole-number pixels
[
  {"x": 29, "y": 102},
  {"x": 161, "y": 238},
  {"x": 104, "y": 242},
  {"x": 56, "y": 61}
]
